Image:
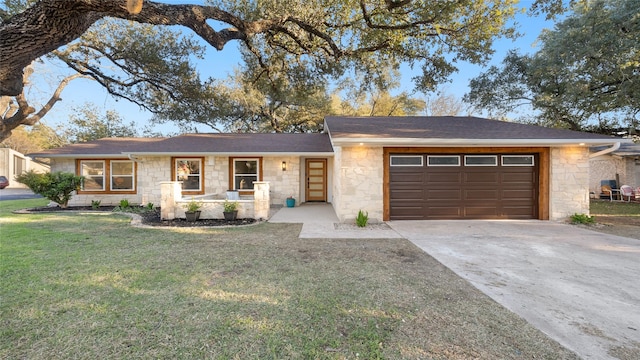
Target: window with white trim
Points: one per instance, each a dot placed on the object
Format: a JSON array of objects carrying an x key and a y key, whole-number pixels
[
  {"x": 122, "y": 175},
  {"x": 518, "y": 160},
  {"x": 406, "y": 160},
  {"x": 245, "y": 172},
  {"x": 107, "y": 176},
  {"x": 481, "y": 160},
  {"x": 443, "y": 160},
  {"x": 189, "y": 172},
  {"x": 94, "y": 175}
]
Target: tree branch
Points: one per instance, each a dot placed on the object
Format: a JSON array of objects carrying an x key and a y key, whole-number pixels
[{"x": 49, "y": 24}]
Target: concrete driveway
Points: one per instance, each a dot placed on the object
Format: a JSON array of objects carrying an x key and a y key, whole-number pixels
[
  {"x": 17, "y": 194},
  {"x": 580, "y": 287}
]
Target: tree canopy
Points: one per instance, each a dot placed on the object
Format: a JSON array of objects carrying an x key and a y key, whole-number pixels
[
  {"x": 136, "y": 60},
  {"x": 586, "y": 74}
]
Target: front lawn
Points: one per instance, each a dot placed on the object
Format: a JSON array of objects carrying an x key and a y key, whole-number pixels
[
  {"x": 92, "y": 287},
  {"x": 606, "y": 207}
]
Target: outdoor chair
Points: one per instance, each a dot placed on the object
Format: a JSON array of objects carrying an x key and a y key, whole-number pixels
[
  {"x": 627, "y": 192},
  {"x": 608, "y": 192}
]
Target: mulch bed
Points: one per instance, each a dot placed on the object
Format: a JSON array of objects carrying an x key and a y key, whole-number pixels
[{"x": 152, "y": 217}]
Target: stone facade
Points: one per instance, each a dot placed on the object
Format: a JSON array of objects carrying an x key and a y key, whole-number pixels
[
  {"x": 173, "y": 204},
  {"x": 569, "y": 179},
  {"x": 283, "y": 183},
  {"x": 153, "y": 170},
  {"x": 358, "y": 182}
]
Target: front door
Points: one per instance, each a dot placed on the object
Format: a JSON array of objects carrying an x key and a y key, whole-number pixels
[{"x": 316, "y": 189}]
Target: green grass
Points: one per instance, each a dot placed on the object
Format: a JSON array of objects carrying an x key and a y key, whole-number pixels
[
  {"x": 91, "y": 286},
  {"x": 605, "y": 207}
]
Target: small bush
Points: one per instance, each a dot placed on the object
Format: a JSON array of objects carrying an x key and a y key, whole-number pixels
[
  {"x": 124, "y": 204},
  {"x": 362, "y": 218},
  {"x": 149, "y": 206},
  {"x": 56, "y": 186},
  {"x": 230, "y": 206},
  {"x": 582, "y": 219},
  {"x": 95, "y": 204}
]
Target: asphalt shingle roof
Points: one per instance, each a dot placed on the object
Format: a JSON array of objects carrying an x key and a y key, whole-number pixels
[
  {"x": 443, "y": 127},
  {"x": 198, "y": 143}
]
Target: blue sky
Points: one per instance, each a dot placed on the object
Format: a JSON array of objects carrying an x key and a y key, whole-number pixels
[{"x": 220, "y": 63}]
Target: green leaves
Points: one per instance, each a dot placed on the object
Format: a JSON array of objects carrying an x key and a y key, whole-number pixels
[
  {"x": 56, "y": 186},
  {"x": 584, "y": 75}
]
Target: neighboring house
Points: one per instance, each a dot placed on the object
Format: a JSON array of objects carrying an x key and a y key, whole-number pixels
[
  {"x": 622, "y": 165},
  {"x": 13, "y": 163},
  {"x": 395, "y": 168}
]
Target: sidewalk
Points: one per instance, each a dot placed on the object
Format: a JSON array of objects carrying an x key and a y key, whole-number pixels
[{"x": 319, "y": 221}]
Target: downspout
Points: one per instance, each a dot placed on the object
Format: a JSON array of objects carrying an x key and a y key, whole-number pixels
[{"x": 615, "y": 147}]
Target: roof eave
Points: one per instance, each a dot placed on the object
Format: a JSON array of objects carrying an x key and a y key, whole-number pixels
[
  {"x": 352, "y": 141},
  {"x": 178, "y": 154}
]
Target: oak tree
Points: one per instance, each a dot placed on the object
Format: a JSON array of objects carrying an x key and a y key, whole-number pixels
[
  {"x": 585, "y": 76},
  {"x": 330, "y": 37}
]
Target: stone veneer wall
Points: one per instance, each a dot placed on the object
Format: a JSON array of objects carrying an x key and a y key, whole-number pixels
[
  {"x": 359, "y": 182},
  {"x": 282, "y": 183},
  {"x": 569, "y": 182},
  {"x": 152, "y": 170}
]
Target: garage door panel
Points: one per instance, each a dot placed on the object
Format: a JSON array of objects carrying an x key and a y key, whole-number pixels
[
  {"x": 525, "y": 178},
  {"x": 444, "y": 194},
  {"x": 399, "y": 178},
  {"x": 524, "y": 194},
  {"x": 481, "y": 194},
  {"x": 481, "y": 177},
  {"x": 403, "y": 194},
  {"x": 480, "y": 211},
  {"x": 443, "y": 178},
  {"x": 407, "y": 211},
  {"x": 463, "y": 192},
  {"x": 444, "y": 212}
]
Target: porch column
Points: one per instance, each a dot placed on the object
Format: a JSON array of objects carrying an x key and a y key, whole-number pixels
[
  {"x": 170, "y": 192},
  {"x": 261, "y": 200}
]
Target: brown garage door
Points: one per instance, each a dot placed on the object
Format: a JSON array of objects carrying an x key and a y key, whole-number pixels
[{"x": 460, "y": 186}]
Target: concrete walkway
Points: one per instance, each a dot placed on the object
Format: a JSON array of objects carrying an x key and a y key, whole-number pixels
[
  {"x": 580, "y": 287},
  {"x": 319, "y": 221}
]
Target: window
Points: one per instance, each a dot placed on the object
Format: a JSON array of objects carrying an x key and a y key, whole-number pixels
[
  {"x": 406, "y": 160},
  {"x": 189, "y": 171},
  {"x": 108, "y": 176},
  {"x": 517, "y": 160},
  {"x": 244, "y": 171},
  {"x": 122, "y": 175},
  {"x": 19, "y": 165},
  {"x": 443, "y": 160},
  {"x": 480, "y": 160},
  {"x": 93, "y": 172}
]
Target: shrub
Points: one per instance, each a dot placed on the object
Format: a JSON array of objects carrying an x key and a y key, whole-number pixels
[
  {"x": 95, "y": 204},
  {"x": 582, "y": 219},
  {"x": 193, "y": 205},
  {"x": 56, "y": 186},
  {"x": 362, "y": 218},
  {"x": 230, "y": 206},
  {"x": 124, "y": 204}
]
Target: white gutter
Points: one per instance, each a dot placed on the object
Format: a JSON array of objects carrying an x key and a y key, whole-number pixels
[{"x": 615, "y": 147}]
